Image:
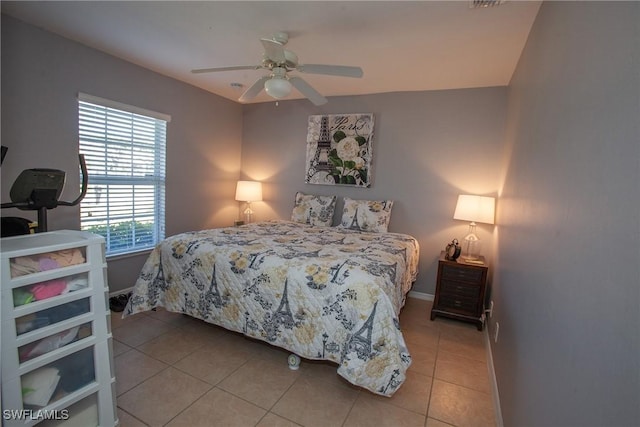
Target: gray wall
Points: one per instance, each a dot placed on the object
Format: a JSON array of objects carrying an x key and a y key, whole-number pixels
[
  {"x": 428, "y": 147},
  {"x": 41, "y": 77},
  {"x": 567, "y": 283}
]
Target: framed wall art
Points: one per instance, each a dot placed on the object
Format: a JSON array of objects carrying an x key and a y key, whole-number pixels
[{"x": 339, "y": 149}]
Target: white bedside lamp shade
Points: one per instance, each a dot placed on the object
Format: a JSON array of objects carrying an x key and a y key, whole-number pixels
[
  {"x": 248, "y": 191},
  {"x": 475, "y": 209}
]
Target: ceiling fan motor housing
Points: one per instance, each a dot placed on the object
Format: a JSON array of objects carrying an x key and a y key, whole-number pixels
[
  {"x": 290, "y": 61},
  {"x": 281, "y": 37}
]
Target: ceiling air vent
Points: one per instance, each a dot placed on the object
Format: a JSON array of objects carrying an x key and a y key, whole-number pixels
[{"x": 475, "y": 4}]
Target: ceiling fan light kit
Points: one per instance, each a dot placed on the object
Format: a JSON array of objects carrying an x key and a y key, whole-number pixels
[
  {"x": 279, "y": 61},
  {"x": 278, "y": 88}
]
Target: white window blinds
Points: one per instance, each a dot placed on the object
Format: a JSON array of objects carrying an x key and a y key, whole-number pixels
[{"x": 124, "y": 148}]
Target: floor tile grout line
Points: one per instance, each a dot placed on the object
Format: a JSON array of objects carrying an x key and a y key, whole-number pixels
[
  {"x": 463, "y": 386},
  {"x": 269, "y": 411},
  {"x": 433, "y": 376},
  {"x": 144, "y": 381},
  {"x": 131, "y": 415},
  {"x": 465, "y": 357},
  {"x": 351, "y": 408},
  {"x": 160, "y": 360},
  {"x": 190, "y": 405}
]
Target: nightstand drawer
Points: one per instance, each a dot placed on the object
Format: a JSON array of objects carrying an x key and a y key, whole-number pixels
[
  {"x": 466, "y": 274},
  {"x": 452, "y": 302},
  {"x": 460, "y": 289}
]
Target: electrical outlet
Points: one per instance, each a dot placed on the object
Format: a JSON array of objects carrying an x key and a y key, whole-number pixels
[{"x": 495, "y": 333}]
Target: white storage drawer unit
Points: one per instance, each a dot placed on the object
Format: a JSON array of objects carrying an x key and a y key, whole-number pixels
[{"x": 57, "y": 357}]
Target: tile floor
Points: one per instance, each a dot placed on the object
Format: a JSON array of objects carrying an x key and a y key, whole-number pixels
[{"x": 172, "y": 370}]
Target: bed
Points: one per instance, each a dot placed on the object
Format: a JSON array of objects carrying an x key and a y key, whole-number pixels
[{"x": 323, "y": 293}]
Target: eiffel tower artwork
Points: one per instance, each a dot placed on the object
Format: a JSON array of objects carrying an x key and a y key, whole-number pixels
[
  {"x": 320, "y": 162},
  {"x": 282, "y": 316},
  {"x": 360, "y": 342}
]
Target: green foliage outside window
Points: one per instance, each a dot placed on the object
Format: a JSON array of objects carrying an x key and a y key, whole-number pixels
[{"x": 124, "y": 235}]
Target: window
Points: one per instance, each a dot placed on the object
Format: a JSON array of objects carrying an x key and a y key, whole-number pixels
[{"x": 124, "y": 148}]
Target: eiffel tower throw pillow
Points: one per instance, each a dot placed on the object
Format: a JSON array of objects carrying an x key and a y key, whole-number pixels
[
  {"x": 314, "y": 210},
  {"x": 366, "y": 215}
]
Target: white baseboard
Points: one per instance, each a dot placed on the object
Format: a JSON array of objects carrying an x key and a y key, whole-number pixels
[
  {"x": 492, "y": 379},
  {"x": 420, "y": 295}
]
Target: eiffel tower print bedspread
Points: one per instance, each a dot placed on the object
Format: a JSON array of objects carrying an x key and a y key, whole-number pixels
[{"x": 324, "y": 293}]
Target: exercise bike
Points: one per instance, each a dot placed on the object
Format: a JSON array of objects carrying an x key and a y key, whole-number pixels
[{"x": 38, "y": 190}]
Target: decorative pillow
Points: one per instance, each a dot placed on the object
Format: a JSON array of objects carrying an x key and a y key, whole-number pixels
[
  {"x": 314, "y": 210},
  {"x": 366, "y": 215}
]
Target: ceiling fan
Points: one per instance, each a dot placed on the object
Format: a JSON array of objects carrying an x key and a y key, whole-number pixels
[{"x": 280, "y": 61}]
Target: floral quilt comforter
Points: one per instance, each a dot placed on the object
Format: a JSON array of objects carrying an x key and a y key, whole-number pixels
[{"x": 321, "y": 292}]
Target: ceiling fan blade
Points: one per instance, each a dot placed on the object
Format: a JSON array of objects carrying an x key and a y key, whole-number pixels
[
  {"x": 254, "y": 90},
  {"x": 331, "y": 70},
  {"x": 308, "y": 91},
  {"x": 240, "y": 67},
  {"x": 274, "y": 50}
]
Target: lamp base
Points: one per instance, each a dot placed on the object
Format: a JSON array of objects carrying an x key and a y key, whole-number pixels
[
  {"x": 472, "y": 245},
  {"x": 248, "y": 213}
]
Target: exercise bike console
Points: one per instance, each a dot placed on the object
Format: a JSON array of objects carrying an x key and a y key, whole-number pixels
[{"x": 40, "y": 190}]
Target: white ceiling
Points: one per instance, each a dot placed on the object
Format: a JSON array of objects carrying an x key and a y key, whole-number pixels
[{"x": 400, "y": 45}]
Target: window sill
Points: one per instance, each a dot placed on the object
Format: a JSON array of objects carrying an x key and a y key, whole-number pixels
[{"x": 117, "y": 257}]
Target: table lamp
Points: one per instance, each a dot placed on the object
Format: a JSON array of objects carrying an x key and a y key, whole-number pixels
[
  {"x": 475, "y": 209},
  {"x": 248, "y": 191}
]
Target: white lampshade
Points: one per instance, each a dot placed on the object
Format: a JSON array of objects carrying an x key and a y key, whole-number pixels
[
  {"x": 249, "y": 191},
  {"x": 277, "y": 87},
  {"x": 475, "y": 209}
]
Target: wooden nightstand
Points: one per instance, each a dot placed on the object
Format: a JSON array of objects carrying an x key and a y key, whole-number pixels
[{"x": 460, "y": 291}]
